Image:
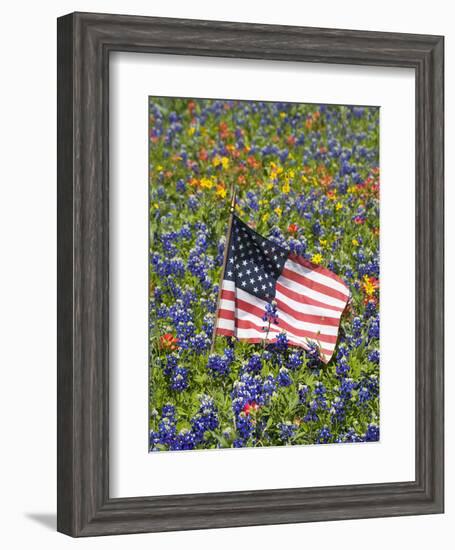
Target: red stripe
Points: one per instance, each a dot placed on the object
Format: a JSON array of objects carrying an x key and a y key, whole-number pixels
[
  {"x": 313, "y": 285},
  {"x": 228, "y": 295},
  {"x": 226, "y": 314},
  {"x": 224, "y": 332},
  {"x": 303, "y": 299},
  {"x": 318, "y": 268}
]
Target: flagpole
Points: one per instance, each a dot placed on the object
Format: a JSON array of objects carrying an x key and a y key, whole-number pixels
[{"x": 225, "y": 256}]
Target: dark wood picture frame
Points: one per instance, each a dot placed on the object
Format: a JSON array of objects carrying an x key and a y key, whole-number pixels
[{"x": 85, "y": 41}]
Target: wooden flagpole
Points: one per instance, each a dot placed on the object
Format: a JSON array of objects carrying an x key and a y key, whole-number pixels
[{"x": 223, "y": 269}]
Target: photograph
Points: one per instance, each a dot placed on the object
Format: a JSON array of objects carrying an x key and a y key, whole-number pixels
[{"x": 264, "y": 277}]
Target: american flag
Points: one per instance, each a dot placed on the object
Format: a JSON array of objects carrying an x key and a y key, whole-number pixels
[{"x": 309, "y": 298}]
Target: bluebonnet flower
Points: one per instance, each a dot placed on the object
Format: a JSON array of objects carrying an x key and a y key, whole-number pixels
[
  {"x": 370, "y": 309},
  {"x": 199, "y": 343},
  {"x": 324, "y": 435},
  {"x": 179, "y": 379},
  {"x": 246, "y": 390},
  {"x": 269, "y": 387},
  {"x": 303, "y": 392},
  {"x": 184, "y": 441},
  {"x": 166, "y": 428},
  {"x": 356, "y": 327},
  {"x": 171, "y": 364},
  {"x": 294, "y": 361},
  {"x": 286, "y": 431},
  {"x": 229, "y": 355},
  {"x": 244, "y": 426},
  {"x": 351, "y": 436},
  {"x": 217, "y": 365},
  {"x": 319, "y": 393},
  {"x": 281, "y": 344},
  {"x": 346, "y": 388},
  {"x": 283, "y": 377},
  {"x": 338, "y": 410},
  {"x": 373, "y": 331},
  {"x": 342, "y": 367},
  {"x": 206, "y": 419},
  {"x": 372, "y": 433},
  {"x": 314, "y": 359},
  {"x": 373, "y": 356},
  {"x": 254, "y": 364},
  {"x": 364, "y": 395},
  {"x": 193, "y": 202},
  {"x": 271, "y": 313},
  {"x": 180, "y": 186}
]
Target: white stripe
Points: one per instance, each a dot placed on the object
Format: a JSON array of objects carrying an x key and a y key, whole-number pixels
[
  {"x": 228, "y": 285},
  {"x": 316, "y": 276},
  {"x": 314, "y": 294},
  {"x": 227, "y": 304},
  {"x": 228, "y": 324}
]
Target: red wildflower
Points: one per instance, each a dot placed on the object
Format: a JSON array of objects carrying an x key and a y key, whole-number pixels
[
  {"x": 254, "y": 163},
  {"x": 168, "y": 342},
  {"x": 203, "y": 155},
  {"x": 293, "y": 228},
  {"x": 291, "y": 140},
  {"x": 250, "y": 407},
  {"x": 223, "y": 130}
]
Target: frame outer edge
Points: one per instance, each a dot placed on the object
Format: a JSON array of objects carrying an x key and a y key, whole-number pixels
[
  {"x": 66, "y": 445},
  {"x": 437, "y": 158},
  {"x": 84, "y": 507}
]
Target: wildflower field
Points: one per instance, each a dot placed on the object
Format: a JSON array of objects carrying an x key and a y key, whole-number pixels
[{"x": 307, "y": 178}]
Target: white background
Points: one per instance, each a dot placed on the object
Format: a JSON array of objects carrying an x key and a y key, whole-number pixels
[
  {"x": 133, "y": 77},
  {"x": 28, "y": 275}
]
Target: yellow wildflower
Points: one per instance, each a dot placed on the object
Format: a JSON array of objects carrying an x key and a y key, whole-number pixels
[
  {"x": 323, "y": 242},
  {"x": 265, "y": 217},
  {"x": 225, "y": 163},
  {"x": 370, "y": 284},
  {"x": 317, "y": 258},
  {"x": 286, "y": 187},
  {"x": 338, "y": 206},
  {"x": 191, "y": 130},
  {"x": 355, "y": 242},
  {"x": 278, "y": 211},
  {"x": 216, "y": 160},
  {"x": 205, "y": 183},
  {"x": 275, "y": 170},
  {"x": 282, "y": 114},
  {"x": 220, "y": 191}
]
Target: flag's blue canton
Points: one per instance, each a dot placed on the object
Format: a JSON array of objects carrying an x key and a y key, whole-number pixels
[{"x": 253, "y": 262}]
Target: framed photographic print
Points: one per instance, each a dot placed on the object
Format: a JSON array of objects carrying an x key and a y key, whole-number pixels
[{"x": 250, "y": 256}]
